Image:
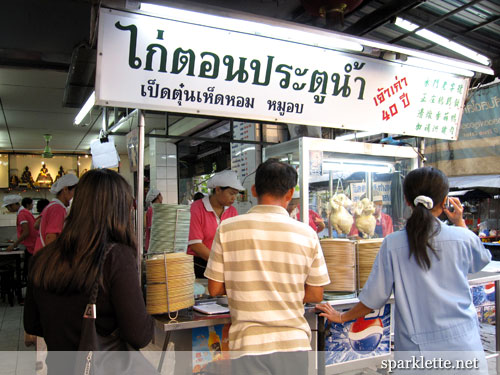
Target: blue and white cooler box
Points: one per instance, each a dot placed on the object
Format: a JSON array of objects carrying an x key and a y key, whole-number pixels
[{"x": 361, "y": 338}]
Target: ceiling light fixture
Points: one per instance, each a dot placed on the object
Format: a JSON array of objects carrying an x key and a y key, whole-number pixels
[
  {"x": 85, "y": 109},
  {"x": 442, "y": 41},
  {"x": 291, "y": 33},
  {"x": 125, "y": 120},
  {"x": 426, "y": 64}
]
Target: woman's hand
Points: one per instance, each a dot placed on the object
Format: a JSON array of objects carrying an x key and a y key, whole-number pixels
[
  {"x": 455, "y": 216},
  {"x": 330, "y": 313}
]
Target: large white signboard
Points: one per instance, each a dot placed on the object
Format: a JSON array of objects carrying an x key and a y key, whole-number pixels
[{"x": 166, "y": 65}]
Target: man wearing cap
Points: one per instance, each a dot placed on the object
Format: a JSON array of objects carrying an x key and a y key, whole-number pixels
[
  {"x": 153, "y": 196},
  {"x": 207, "y": 213},
  {"x": 384, "y": 222},
  {"x": 26, "y": 233},
  {"x": 54, "y": 214}
]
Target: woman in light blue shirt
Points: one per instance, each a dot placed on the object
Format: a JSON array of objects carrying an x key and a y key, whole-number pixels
[{"x": 426, "y": 266}]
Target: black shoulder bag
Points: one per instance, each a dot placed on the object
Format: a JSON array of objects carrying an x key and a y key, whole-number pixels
[{"x": 99, "y": 355}]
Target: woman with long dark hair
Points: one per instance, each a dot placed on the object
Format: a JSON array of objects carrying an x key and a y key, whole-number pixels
[
  {"x": 61, "y": 276},
  {"x": 426, "y": 266}
]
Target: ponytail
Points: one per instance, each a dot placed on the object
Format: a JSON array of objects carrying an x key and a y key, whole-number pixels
[
  {"x": 420, "y": 228},
  {"x": 420, "y": 187}
]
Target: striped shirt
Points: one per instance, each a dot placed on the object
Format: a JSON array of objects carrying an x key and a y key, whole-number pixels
[{"x": 265, "y": 258}]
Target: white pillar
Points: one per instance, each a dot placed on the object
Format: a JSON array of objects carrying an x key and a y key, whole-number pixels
[{"x": 163, "y": 168}]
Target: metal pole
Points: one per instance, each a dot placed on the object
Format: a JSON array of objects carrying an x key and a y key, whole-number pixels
[
  {"x": 105, "y": 119},
  {"x": 330, "y": 189},
  {"x": 497, "y": 324},
  {"x": 140, "y": 193},
  {"x": 421, "y": 149}
]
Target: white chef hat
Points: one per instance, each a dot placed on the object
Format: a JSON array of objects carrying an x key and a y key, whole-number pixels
[
  {"x": 66, "y": 180},
  {"x": 223, "y": 179},
  {"x": 152, "y": 194},
  {"x": 11, "y": 199}
]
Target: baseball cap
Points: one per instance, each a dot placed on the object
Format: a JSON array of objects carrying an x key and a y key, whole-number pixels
[
  {"x": 11, "y": 199},
  {"x": 152, "y": 194},
  {"x": 225, "y": 178},
  {"x": 377, "y": 197},
  {"x": 66, "y": 180}
]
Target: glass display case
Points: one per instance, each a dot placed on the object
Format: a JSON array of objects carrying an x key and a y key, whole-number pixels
[{"x": 355, "y": 188}]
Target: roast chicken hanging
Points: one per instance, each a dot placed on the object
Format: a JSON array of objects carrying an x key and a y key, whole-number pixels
[{"x": 340, "y": 217}]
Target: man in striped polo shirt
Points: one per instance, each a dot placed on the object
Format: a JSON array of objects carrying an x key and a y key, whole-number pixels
[{"x": 269, "y": 265}]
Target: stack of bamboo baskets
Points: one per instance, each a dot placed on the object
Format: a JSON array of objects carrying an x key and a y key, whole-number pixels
[
  {"x": 367, "y": 252},
  {"x": 170, "y": 283},
  {"x": 340, "y": 258},
  {"x": 349, "y": 262},
  {"x": 169, "y": 271}
]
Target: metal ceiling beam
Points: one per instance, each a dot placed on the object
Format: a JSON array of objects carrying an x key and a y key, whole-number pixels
[
  {"x": 436, "y": 21},
  {"x": 380, "y": 16}
]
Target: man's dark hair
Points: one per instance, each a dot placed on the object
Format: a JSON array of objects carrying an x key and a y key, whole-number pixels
[
  {"x": 26, "y": 201},
  {"x": 275, "y": 178}
]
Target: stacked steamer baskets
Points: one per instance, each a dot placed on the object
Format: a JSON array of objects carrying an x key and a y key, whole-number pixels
[
  {"x": 340, "y": 258},
  {"x": 367, "y": 252},
  {"x": 169, "y": 270}
]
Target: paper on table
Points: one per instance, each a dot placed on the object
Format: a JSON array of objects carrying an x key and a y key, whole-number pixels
[{"x": 493, "y": 266}]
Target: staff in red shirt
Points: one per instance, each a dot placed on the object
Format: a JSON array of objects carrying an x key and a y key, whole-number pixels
[
  {"x": 207, "y": 213},
  {"x": 26, "y": 233},
  {"x": 315, "y": 221},
  {"x": 54, "y": 214}
]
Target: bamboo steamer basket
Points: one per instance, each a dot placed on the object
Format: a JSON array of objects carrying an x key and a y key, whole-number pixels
[
  {"x": 367, "y": 251},
  {"x": 340, "y": 259},
  {"x": 170, "y": 283}
]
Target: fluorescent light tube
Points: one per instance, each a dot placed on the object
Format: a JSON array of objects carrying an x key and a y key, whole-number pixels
[
  {"x": 426, "y": 64},
  {"x": 340, "y": 165},
  {"x": 317, "y": 38},
  {"x": 442, "y": 41},
  {"x": 85, "y": 109},
  {"x": 347, "y": 137}
]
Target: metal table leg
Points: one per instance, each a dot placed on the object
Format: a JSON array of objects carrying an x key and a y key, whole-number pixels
[
  {"x": 497, "y": 322},
  {"x": 320, "y": 351},
  {"x": 19, "y": 292},
  {"x": 165, "y": 345}
]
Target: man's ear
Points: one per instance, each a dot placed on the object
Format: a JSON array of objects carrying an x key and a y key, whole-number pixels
[
  {"x": 254, "y": 191},
  {"x": 289, "y": 194}
]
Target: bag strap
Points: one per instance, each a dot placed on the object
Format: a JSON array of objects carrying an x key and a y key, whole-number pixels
[{"x": 90, "y": 310}]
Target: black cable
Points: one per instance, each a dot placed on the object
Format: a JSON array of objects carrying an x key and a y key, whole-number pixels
[{"x": 6, "y": 125}]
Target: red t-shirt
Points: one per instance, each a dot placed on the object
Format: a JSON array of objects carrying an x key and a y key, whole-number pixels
[
  {"x": 52, "y": 221},
  {"x": 25, "y": 216},
  {"x": 204, "y": 222},
  {"x": 312, "y": 215}
]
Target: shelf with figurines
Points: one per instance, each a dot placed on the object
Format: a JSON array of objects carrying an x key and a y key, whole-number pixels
[{"x": 44, "y": 180}]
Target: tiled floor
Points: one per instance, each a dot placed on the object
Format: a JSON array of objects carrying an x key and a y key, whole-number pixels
[
  {"x": 11, "y": 328},
  {"x": 15, "y": 357}
]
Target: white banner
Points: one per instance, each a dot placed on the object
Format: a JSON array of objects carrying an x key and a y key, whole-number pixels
[
  {"x": 358, "y": 190},
  {"x": 167, "y": 65}
]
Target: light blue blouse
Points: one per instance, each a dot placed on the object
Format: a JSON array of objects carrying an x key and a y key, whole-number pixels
[{"x": 433, "y": 308}]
